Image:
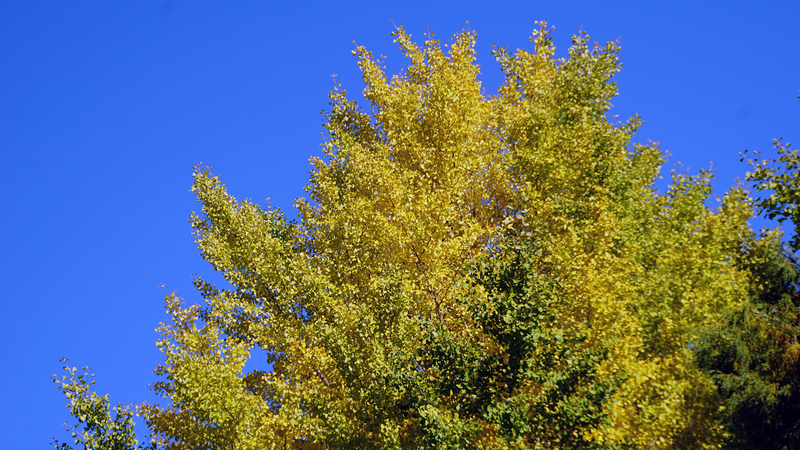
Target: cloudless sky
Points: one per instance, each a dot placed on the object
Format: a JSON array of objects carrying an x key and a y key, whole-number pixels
[{"x": 105, "y": 107}]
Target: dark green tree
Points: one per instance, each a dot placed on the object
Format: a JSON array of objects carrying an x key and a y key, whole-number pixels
[{"x": 753, "y": 355}]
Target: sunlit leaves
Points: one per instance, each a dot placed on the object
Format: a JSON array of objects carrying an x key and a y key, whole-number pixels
[
  {"x": 96, "y": 429},
  {"x": 780, "y": 175},
  {"x": 468, "y": 271}
]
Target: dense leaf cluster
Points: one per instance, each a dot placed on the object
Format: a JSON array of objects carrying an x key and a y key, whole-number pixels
[
  {"x": 531, "y": 380},
  {"x": 753, "y": 355}
]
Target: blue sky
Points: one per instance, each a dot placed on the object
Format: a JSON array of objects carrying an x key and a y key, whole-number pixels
[{"x": 105, "y": 107}]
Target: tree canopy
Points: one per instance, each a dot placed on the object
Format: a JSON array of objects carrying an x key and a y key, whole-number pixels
[{"x": 485, "y": 271}]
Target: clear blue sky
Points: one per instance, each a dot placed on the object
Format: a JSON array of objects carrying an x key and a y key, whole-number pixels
[{"x": 105, "y": 107}]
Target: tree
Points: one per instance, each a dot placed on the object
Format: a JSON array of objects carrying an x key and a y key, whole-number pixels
[
  {"x": 469, "y": 271},
  {"x": 752, "y": 354},
  {"x": 782, "y": 176},
  {"x": 100, "y": 431}
]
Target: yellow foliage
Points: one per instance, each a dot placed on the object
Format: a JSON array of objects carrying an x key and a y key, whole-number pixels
[{"x": 405, "y": 196}]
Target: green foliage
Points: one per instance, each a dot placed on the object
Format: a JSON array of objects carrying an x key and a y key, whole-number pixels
[
  {"x": 752, "y": 352},
  {"x": 100, "y": 431},
  {"x": 753, "y": 355},
  {"x": 525, "y": 380},
  {"x": 780, "y": 175}
]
